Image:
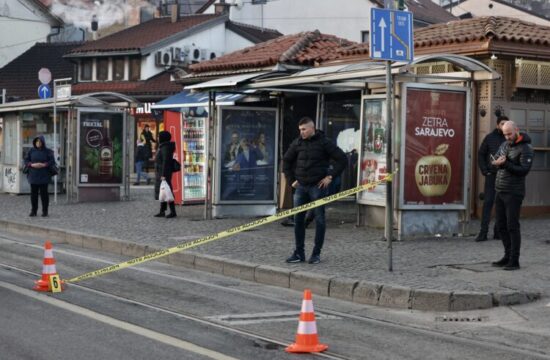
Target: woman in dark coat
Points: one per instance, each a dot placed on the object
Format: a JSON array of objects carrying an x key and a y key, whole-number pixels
[
  {"x": 163, "y": 170},
  {"x": 38, "y": 161}
]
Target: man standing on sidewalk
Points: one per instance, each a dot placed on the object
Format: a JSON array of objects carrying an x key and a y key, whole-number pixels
[
  {"x": 489, "y": 148},
  {"x": 306, "y": 167},
  {"x": 514, "y": 163}
]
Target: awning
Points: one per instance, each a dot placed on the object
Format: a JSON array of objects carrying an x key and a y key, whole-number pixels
[
  {"x": 228, "y": 81},
  {"x": 188, "y": 99}
]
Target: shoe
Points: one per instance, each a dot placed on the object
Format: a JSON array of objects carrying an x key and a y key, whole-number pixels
[
  {"x": 295, "y": 258},
  {"x": 136, "y": 184},
  {"x": 45, "y": 214},
  {"x": 481, "y": 237},
  {"x": 314, "y": 259},
  {"x": 502, "y": 262},
  {"x": 160, "y": 214},
  {"x": 32, "y": 214},
  {"x": 512, "y": 265},
  {"x": 171, "y": 215},
  {"x": 288, "y": 222},
  {"x": 496, "y": 236}
]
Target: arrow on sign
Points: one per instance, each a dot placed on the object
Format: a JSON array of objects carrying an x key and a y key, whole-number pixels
[
  {"x": 44, "y": 92},
  {"x": 382, "y": 25}
]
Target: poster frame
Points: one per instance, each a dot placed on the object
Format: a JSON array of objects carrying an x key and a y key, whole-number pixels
[
  {"x": 362, "y": 127},
  {"x": 467, "y": 144},
  {"x": 124, "y": 148},
  {"x": 219, "y": 156}
]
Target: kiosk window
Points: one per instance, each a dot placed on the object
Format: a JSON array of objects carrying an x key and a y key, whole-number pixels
[{"x": 86, "y": 69}]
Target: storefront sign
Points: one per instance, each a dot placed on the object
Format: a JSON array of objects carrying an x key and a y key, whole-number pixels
[
  {"x": 101, "y": 148},
  {"x": 248, "y": 149},
  {"x": 434, "y": 150},
  {"x": 373, "y": 150}
]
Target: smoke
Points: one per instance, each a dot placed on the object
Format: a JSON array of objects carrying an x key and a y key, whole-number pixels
[{"x": 108, "y": 12}]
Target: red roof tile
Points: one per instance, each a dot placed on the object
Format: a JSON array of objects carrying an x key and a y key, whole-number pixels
[
  {"x": 158, "y": 85},
  {"x": 143, "y": 35},
  {"x": 305, "y": 48}
]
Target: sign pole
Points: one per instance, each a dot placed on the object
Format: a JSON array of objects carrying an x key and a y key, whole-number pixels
[
  {"x": 55, "y": 140},
  {"x": 388, "y": 226}
]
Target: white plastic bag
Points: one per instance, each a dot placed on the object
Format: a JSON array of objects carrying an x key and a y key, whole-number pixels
[{"x": 165, "y": 194}]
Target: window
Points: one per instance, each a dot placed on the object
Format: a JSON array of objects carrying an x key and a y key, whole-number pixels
[
  {"x": 365, "y": 36},
  {"x": 103, "y": 69},
  {"x": 86, "y": 69},
  {"x": 536, "y": 123},
  {"x": 135, "y": 69},
  {"x": 118, "y": 69}
]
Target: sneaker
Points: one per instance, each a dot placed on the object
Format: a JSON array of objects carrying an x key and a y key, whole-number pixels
[
  {"x": 288, "y": 222},
  {"x": 502, "y": 262},
  {"x": 32, "y": 214},
  {"x": 136, "y": 184},
  {"x": 481, "y": 237},
  {"x": 171, "y": 215},
  {"x": 295, "y": 258},
  {"x": 314, "y": 259},
  {"x": 512, "y": 265}
]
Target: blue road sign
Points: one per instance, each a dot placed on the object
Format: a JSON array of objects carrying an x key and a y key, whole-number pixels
[
  {"x": 391, "y": 35},
  {"x": 44, "y": 91}
]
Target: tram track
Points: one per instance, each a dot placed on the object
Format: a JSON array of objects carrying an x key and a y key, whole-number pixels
[{"x": 456, "y": 338}]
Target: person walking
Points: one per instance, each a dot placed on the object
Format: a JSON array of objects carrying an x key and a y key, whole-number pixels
[
  {"x": 306, "y": 167},
  {"x": 163, "y": 171},
  {"x": 141, "y": 158},
  {"x": 488, "y": 149},
  {"x": 148, "y": 139},
  {"x": 514, "y": 163},
  {"x": 37, "y": 164}
]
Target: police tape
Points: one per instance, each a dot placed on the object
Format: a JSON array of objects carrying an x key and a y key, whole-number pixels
[{"x": 232, "y": 231}]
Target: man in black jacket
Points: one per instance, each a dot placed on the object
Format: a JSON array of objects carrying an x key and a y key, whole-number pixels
[
  {"x": 489, "y": 147},
  {"x": 306, "y": 167},
  {"x": 514, "y": 163}
]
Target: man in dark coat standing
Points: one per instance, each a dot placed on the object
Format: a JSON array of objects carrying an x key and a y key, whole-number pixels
[
  {"x": 489, "y": 148},
  {"x": 164, "y": 168},
  {"x": 306, "y": 165},
  {"x": 514, "y": 163},
  {"x": 38, "y": 162}
]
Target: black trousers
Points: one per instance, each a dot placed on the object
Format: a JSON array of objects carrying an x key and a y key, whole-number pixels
[
  {"x": 41, "y": 189},
  {"x": 508, "y": 206},
  {"x": 488, "y": 201}
]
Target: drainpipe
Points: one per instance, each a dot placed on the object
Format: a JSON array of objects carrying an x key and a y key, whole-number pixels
[{"x": 49, "y": 37}]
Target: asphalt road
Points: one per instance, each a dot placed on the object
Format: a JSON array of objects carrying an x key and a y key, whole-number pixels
[{"x": 164, "y": 312}]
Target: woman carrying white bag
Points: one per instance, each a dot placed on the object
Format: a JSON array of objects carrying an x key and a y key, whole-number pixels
[{"x": 163, "y": 175}]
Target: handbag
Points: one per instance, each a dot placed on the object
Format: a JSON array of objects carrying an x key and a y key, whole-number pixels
[
  {"x": 176, "y": 166},
  {"x": 26, "y": 169},
  {"x": 53, "y": 170}
]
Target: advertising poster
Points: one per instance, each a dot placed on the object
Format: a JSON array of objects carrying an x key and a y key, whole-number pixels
[
  {"x": 373, "y": 151},
  {"x": 434, "y": 147},
  {"x": 247, "y": 156},
  {"x": 101, "y": 148}
]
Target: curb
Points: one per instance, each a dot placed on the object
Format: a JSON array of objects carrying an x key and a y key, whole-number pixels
[{"x": 342, "y": 288}]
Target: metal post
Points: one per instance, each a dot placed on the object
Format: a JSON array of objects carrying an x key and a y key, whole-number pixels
[
  {"x": 208, "y": 151},
  {"x": 55, "y": 155},
  {"x": 388, "y": 233}
]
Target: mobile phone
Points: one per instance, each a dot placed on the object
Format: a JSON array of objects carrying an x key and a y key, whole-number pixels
[{"x": 493, "y": 158}]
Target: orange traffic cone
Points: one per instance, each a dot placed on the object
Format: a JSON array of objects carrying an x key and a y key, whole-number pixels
[
  {"x": 306, "y": 337},
  {"x": 48, "y": 269}
]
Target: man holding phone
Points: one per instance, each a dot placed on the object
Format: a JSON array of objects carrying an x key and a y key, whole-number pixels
[{"x": 488, "y": 152}]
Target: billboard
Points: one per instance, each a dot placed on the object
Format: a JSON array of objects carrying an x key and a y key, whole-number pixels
[
  {"x": 247, "y": 152},
  {"x": 101, "y": 145},
  {"x": 434, "y": 144}
]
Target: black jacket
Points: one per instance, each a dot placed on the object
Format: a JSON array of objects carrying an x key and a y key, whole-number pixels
[
  {"x": 489, "y": 146},
  {"x": 519, "y": 158},
  {"x": 309, "y": 160},
  {"x": 39, "y": 155},
  {"x": 141, "y": 154}
]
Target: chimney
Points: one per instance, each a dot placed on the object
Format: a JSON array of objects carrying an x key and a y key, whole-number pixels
[
  {"x": 221, "y": 8},
  {"x": 175, "y": 12}
]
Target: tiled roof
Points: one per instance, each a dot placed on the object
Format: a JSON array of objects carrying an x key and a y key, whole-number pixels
[
  {"x": 20, "y": 76},
  {"x": 305, "y": 48},
  {"x": 483, "y": 29},
  {"x": 143, "y": 35},
  {"x": 253, "y": 33},
  {"x": 428, "y": 12},
  {"x": 157, "y": 85}
]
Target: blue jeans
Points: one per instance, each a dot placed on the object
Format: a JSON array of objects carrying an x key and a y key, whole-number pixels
[
  {"x": 139, "y": 171},
  {"x": 303, "y": 195}
]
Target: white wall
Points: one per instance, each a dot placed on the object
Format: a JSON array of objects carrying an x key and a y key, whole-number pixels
[
  {"x": 234, "y": 42},
  {"x": 481, "y": 8},
  {"x": 345, "y": 19},
  {"x": 21, "y": 26}
]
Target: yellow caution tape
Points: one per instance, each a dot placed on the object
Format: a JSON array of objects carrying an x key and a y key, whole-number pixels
[{"x": 234, "y": 230}]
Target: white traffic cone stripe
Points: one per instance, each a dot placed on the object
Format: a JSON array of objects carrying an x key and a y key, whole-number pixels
[
  {"x": 307, "y": 306},
  {"x": 49, "y": 269},
  {"x": 307, "y": 328},
  {"x": 48, "y": 253}
]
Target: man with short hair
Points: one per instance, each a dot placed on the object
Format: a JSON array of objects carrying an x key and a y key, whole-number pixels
[
  {"x": 489, "y": 148},
  {"x": 514, "y": 163},
  {"x": 306, "y": 165}
]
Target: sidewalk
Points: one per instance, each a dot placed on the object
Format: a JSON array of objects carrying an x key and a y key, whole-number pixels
[{"x": 443, "y": 274}]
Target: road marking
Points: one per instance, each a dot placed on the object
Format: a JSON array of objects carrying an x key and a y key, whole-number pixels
[
  {"x": 169, "y": 340},
  {"x": 260, "y": 318}
]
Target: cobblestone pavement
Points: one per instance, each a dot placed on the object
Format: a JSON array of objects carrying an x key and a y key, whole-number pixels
[{"x": 448, "y": 264}]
